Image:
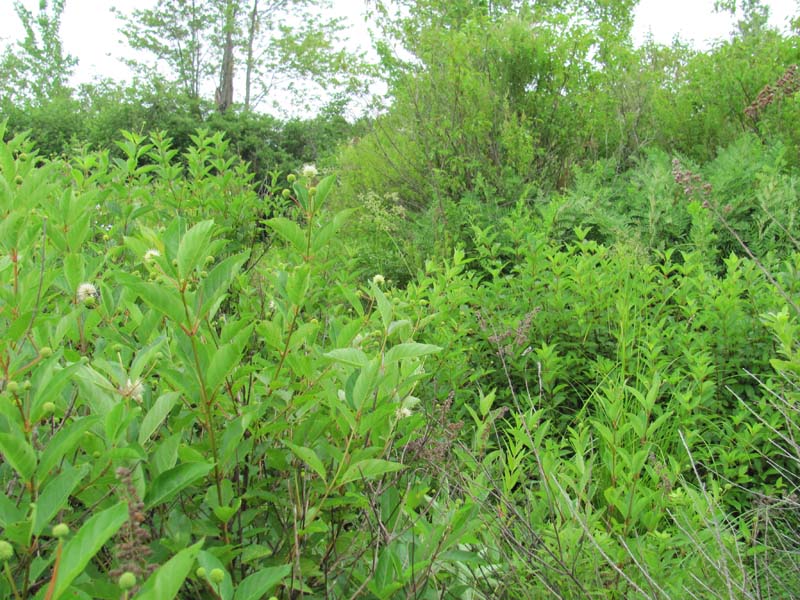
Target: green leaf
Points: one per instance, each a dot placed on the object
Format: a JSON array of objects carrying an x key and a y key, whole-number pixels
[
  {"x": 169, "y": 483},
  {"x": 297, "y": 285},
  {"x": 156, "y": 415},
  {"x": 55, "y": 494},
  {"x": 217, "y": 283},
  {"x": 166, "y": 301},
  {"x": 226, "y": 358},
  {"x": 323, "y": 189},
  {"x": 289, "y": 231},
  {"x": 19, "y": 454},
  {"x": 167, "y": 581},
  {"x": 193, "y": 248},
  {"x": 209, "y": 562},
  {"x": 409, "y": 350},
  {"x": 369, "y": 469},
  {"x": 384, "y": 306},
  {"x": 348, "y": 356},
  {"x": 260, "y": 584},
  {"x": 62, "y": 443},
  {"x": 308, "y": 456},
  {"x": 87, "y": 542}
]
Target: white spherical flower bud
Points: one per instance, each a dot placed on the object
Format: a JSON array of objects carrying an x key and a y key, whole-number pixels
[
  {"x": 86, "y": 293},
  {"x": 403, "y": 412},
  {"x": 151, "y": 255},
  {"x": 133, "y": 389},
  {"x": 378, "y": 279},
  {"x": 309, "y": 171}
]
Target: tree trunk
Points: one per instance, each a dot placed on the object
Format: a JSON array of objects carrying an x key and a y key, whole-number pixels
[
  {"x": 224, "y": 93},
  {"x": 251, "y": 36}
]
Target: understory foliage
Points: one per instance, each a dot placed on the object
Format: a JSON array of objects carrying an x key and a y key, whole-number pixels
[
  {"x": 532, "y": 333},
  {"x": 203, "y": 397}
]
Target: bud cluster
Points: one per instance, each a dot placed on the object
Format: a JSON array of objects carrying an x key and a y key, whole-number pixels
[
  {"x": 785, "y": 86},
  {"x": 691, "y": 183},
  {"x": 132, "y": 548}
]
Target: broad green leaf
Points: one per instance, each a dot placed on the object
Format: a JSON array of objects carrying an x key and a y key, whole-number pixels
[
  {"x": 308, "y": 456},
  {"x": 348, "y": 356},
  {"x": 258, "y": 585},
  {"x": 409, "y": 350},
  {"x": 167, "y": 581},
  {"x": 209, "y": 562},
  {"x": 297, "y": 285},
  {"x": 62, "y": 443},
  {"x": 216, "y": 284},
  {"x": 79, "y": 550},
  {"x": 9, "y": 513},
  {"x": 144, "y": 357},
  {"x": 366, "y": 382},
  {"x": 193, "y": 247},
  {"x": 369, "y": 469},
  {"x": 55, "y": 494},
  {"x": 225, "y": 359},
  {"x": 384, "y": 306},
  {"x": 323, "y": 189},
  {"x": 289, "y": 231},
  {"x": 157, "y": 296},
  {"x": 156, "y": 415},
  {"x": 18, "y": 453},
  {"x": 169, "y": 483}
]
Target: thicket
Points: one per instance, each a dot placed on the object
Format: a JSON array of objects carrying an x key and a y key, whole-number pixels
[{"x": 533, "y": 334}]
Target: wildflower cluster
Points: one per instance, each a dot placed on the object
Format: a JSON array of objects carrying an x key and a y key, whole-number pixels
[
  {"x": 500, "y": 339},
  {"x": 785, "y": 86},
  {"x": 691, "y": 183},
  {"x": 132, "y": 547},
  {"x": 385, "y": 212}
]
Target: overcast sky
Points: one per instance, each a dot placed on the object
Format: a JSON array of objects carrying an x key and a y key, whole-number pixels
[{"x": 89, "y": 29}]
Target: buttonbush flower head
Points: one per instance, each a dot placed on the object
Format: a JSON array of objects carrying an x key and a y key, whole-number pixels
[
  {"x": 151, "y": 255},
  {"x": 86, "y": 293},
  {"x": 378, "y": 279},
  {"x": 403, "y": 412},
  {"x": 309, "y": 171},
  {"x": 133, "y": 389}
]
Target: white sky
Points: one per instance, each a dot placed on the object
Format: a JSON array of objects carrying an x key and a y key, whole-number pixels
[{"x": 89, "y": 29}]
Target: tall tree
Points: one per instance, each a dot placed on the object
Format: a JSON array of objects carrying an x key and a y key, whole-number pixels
[
  {"x": 281, "y": 43},
  {"x": 37, "y": 68}
]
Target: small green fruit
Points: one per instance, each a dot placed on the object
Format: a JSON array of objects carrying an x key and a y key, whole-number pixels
[
  {"x": 12, "y": 387},
  {"x": 26, "y": 385},
  {"x": 286, "y": 193},
  {"x": 45, "y": 352},
  {"x": 291, "y": 178},
  {"x": 312, "y": 191},
  {"x": 201, "y": 572},
  {"x": 209, "y": 260},
  {"x": 127, "y": 580},
  {"x": 48, "y": 408},
  {"x": 18, "y": 179},
  {"x": 6, "y": 551},
  {"x": 61, "y": 530},
  {"x": 217, "y": 575}
]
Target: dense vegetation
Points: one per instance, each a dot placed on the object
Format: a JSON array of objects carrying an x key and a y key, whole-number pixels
[{"x": 529, "y": 333}]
